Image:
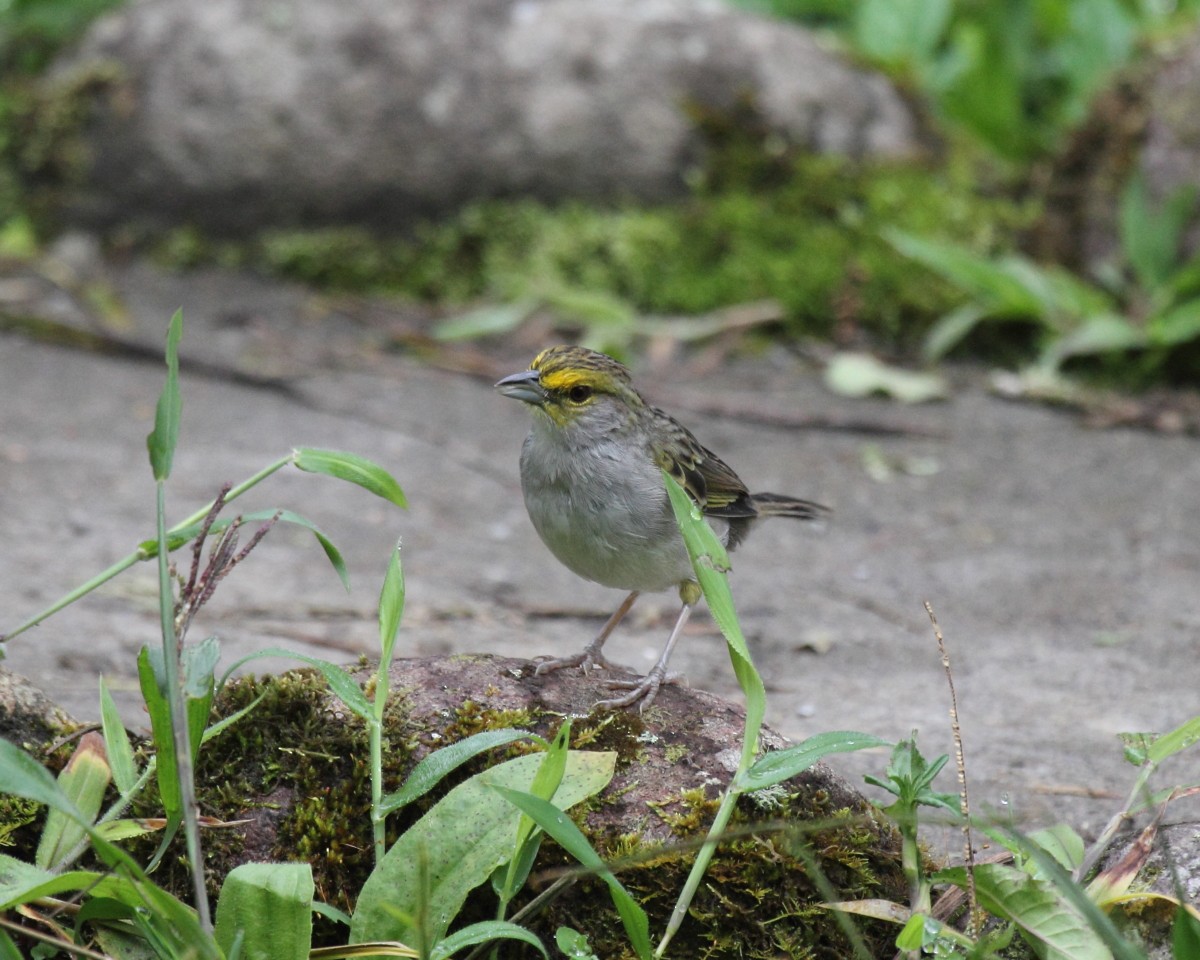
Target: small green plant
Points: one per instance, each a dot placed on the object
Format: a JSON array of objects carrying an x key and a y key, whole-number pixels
[
  {"x": 1015, "y": 76},
  {"x": 1151, "y": 309}
]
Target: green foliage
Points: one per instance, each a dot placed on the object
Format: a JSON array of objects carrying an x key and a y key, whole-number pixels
[
  {"x": 1016, "y": 76},
  {"x": 802, "y": 231},
  {"x": 1152, "y": 308}
]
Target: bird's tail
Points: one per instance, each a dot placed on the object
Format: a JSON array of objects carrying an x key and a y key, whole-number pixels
[{"x": 778, "y": 505}]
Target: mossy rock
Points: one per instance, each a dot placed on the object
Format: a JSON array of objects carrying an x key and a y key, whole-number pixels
[{"x": 297, "y": 771}]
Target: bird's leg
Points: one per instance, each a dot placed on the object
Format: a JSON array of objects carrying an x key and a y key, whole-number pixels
[
  {"x": 591, "y": 656},
  {"x": 646, "y": 689}
]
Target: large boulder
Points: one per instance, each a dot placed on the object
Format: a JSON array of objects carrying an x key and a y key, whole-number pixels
[{"x": 236, "y": 114}]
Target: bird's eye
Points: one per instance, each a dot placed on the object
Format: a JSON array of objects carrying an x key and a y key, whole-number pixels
[{"x": 579, "y": 393}]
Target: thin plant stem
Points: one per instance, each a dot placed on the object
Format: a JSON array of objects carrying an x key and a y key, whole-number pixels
[
  {"x": 179, "y": 725},
  {"x": 140, "y": 554},
  {"x": 378, "y": 818}
]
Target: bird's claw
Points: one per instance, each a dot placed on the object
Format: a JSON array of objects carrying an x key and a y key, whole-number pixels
[
  {"x": 588, "y": 661},
  {"x": 644, "y": 689}
]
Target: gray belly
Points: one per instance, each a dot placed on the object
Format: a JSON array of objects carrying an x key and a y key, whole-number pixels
[{"x": 612, "y": 524}]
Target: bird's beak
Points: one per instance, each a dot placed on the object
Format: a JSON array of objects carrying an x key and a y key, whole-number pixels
[{"x": 524, "y": 386}]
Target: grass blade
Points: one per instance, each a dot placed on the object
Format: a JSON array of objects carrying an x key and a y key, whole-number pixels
[
  {"x": 352, "y": 468},
  {"x": 163, "y": 438}
]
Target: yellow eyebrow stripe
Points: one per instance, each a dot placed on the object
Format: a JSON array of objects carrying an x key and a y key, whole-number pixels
[{"x": 566, "y": 379}]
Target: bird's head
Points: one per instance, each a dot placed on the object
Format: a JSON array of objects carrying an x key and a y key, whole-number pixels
[{"x": 571, "y": 385}]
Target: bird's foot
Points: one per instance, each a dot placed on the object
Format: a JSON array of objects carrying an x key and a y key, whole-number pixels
[
  {"x": 588, "y": 660},
  {"x": 641, "y": 691}
]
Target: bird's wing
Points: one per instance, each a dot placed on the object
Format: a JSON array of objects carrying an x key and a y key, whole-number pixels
[{"x": 708, "y": 480}]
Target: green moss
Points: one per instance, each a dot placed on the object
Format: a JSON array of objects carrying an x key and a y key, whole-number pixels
[
  {"x": 801, "y": 230},
  {"x": 758, "y": 900}
]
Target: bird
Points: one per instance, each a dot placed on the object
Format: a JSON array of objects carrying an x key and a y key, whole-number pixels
[{"x": 592, "y": 478}]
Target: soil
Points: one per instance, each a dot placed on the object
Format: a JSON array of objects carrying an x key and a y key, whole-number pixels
[{"x": 1062, "y": 562}]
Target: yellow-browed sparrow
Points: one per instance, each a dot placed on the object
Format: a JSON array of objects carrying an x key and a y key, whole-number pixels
[{"x": 591, "y": 471}]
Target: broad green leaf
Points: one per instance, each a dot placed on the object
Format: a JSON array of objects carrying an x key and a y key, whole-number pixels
[
  {"x": 1002, "y": 294},
  {"x": 484, "y": 932},
  {"x": 779, "y": 765},
  {"x": 352, "y": 468},
  {"x": 1175, "y": 325},
  {"x": 165, "y": 435},
  {"x": 1185, "y": 936},
  {"x": 861, "y": 375},
  {"x": 391, "y": 607},
  {"x": 1102, "y": 333},
  {"x": 344, "y": 686},
  {"x": 198, "y": 662},
  {"x": 568, "y": 836},
  {"x": 464, "y": 837},
  {"x": 270, "y": 906},
  {"x": 1036, "y": 906},
  {"x": 573, "y": 944},
  {"x": 900, "y": 32},
  {"x": 430, "y": 771},
  {"x": 1062, "y": 843},
  {"x": 8, "y": 949},
  {"x": 116, "y": 740},
  {"x": 83, "y": 781}
]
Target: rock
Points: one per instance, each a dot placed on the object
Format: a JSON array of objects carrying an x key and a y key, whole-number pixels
[
  {"x": 292, "y": 778},
  {"x": 239, "y": 115},
  {"x": 27, "y": 716}
]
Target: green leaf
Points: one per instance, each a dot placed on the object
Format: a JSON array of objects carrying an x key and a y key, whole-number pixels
[
  {"x": 574, "y": 944},
  {"x": 779, "y": 765},
  {"x": 1185, "y": 936},
  {"x": 1150, "y": 237},
  {"x": 1175, "y": 325},
  {"x": 225, "y": 722},
  {"x": 463, "y": 839},
  {"x": 1182, "y": 737},
  {"x": 116, "y": 741},
  {"x": 83, "y": 782},
  {"x": 570, "y": 838},
  {"x": 545, "y": 784},
  {"x": 901, "y": 32},
  {"x": 1001, "y": 293},
  {"x": 165, "y": 435},
  {"x": 152, "y": 683},
  {"x": 1102, "y": 333},
  {"x": 1062, "y": 843},
  {"x": 710, "y": 561},
  {"x": 21, "y": 882},
  {"x": 391, "y": 607},
  {"x": 949, "y": 331},
  {"x": 430, "y": 771},
  {"x": 1036, "y": 906},
  {"x": 269, "y": 905},
  {"x": 352, "y": 468},
  {"x": 344, "y": 686},
  {"x": 484, "y": 932},
  {"x": 23, "y": 776}
]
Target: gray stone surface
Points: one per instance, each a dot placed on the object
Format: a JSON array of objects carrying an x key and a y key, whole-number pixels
[
  {"x": 1062, "y": 562},
  {"x": 238, "y": 114}
]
